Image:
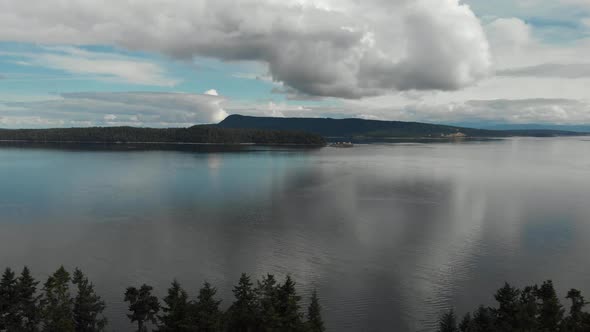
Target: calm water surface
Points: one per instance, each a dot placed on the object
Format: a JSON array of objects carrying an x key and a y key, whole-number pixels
[{"x": 390, "y": 235}]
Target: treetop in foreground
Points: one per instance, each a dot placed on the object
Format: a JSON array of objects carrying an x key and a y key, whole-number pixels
[
  {"x": 68, "y": 303},
  {"x": 531, "y": 309}
]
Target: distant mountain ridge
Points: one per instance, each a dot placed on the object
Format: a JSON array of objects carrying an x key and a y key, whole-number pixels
[{"x": 375, "y": 129}]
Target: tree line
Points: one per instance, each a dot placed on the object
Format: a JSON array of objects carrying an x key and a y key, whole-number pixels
[
  {"x": 531, "y": 309},
  {"x": 68, "y": 303},
  {"x": 196, "y": 134}
]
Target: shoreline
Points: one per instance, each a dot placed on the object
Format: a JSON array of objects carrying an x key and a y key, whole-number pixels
[{"x": 160, "y": 143}]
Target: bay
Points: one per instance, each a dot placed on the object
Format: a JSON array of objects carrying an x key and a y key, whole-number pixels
[{"x": 389, "y": 234}]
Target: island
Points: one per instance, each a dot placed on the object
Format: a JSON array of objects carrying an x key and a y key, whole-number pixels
[
  {"x": 200, "y": 134},
  {"x": 239, "y": 129},
  {"x": 361, "y": 130}
]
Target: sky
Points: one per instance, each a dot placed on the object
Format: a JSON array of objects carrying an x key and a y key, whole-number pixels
[{"x": 157, "y": 63}]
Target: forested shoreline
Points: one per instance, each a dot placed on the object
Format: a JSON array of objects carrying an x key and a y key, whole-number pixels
[
  {"x": 68, "y": 303},
  {"x": 197, "y": 134},
  {"x": 530, "y": 309}
]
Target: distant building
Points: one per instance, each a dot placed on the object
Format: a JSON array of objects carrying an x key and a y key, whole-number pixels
[{"x": 457, "y": 135}]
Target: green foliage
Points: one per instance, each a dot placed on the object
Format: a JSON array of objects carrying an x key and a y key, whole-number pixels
[
  {"x": 361, "y": 129},
  {"x": 57, "y": 304},
  {"x": 467, "y": 324},
  {"x": 88, "y": 306},
  {"x": 448, "y": 322},
  {"x": 28, "y": 302},
  {"x": 206, "y": 310},
  {"x": 508, "y": 299},
  {"x": 196, "y": 134},
  {"x": 176, "y": 310},
  {"x": 268, "y": 301},
  {"x": 143, "y": 306},
  {"x": 532, "y": 309},
  {"x": 19, "y": 306},
  {"x": 288, "y": 307},
  {"x": 9, "y": 300},
  {"x": 242, "y": 314},
  {"x": 527, "y": 310},
  {"x": 578, "y": 320},
  {"x": 314, "y": 315},
  {"x": 550, "y": 310},
  {"x": 271, "y": 306},
  {"x": 54, "y": 310}
]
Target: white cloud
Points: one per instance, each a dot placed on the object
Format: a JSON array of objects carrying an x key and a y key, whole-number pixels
[
  {"x": 106, "y": 65},
  {"x": 537, "y": 81},
  {"x": 514, "y": 45},
  {"x": 523, "y": 111},
  {"x": 418, "y": 60},
  {"x": 343, "y": 48},
  {"x": 578, "y": 2},
  {"x": 508, "y": 35},
  {"x": 114, "y": 109},
  {"x": 576, "y": 70}
]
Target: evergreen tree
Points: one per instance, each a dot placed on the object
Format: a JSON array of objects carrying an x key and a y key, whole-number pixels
[
  {"x": 242, "y": 314},
  {"x": 467, "y": 324},
  {"x": 9, "y": 298},
  {"x": 483, "y": 320},
  {"x": 143, "y": 306},
  {"x": 508, "y": 299},
  {"x": 28, "y": 302},
  {"x": 207, "y": 313},
  {"x": 527, "y": 310},
  {"x": 550, "y": 310},
  {"x": 448, "y": 322},
  {"x": 577, "y": 321},
  {"x": 175, "y": 317},
  {"x": 314, "y": 315},
  {"x": 267, "y": 294},
  {"x": 88, "y": 306},
  {"x": 288, "y": 306},
  {"x": 57, "y": 304}
]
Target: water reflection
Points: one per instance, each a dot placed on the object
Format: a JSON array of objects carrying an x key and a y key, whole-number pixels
[{"x": 389, "y": 234}]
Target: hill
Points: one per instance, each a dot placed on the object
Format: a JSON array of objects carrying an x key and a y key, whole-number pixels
[
  {"x": 196, "y": 134},
  {"x": 373, "y": 129}
]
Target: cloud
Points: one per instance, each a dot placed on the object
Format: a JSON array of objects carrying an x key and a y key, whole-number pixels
[
  {"x": 105, "y": 65},
  {"x": 182, "y": 110},
  {"x": 252, "y": 76},
  {"x": 150, "y": 109},
  {"x": 578, "y": 2},
  {"x": 514, "y": 44},
  {"x": 438, "y": 108},
  {"x": 554, "y": 111},
  {"x": 345, "y": 48},
  {"x": 518, "y": 111},
  {"x": 579, "y": 70},
  {"x": 509, "y": 34}
]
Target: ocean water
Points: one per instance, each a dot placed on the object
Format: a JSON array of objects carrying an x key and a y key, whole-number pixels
[{"x": 389, "y": 234}]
